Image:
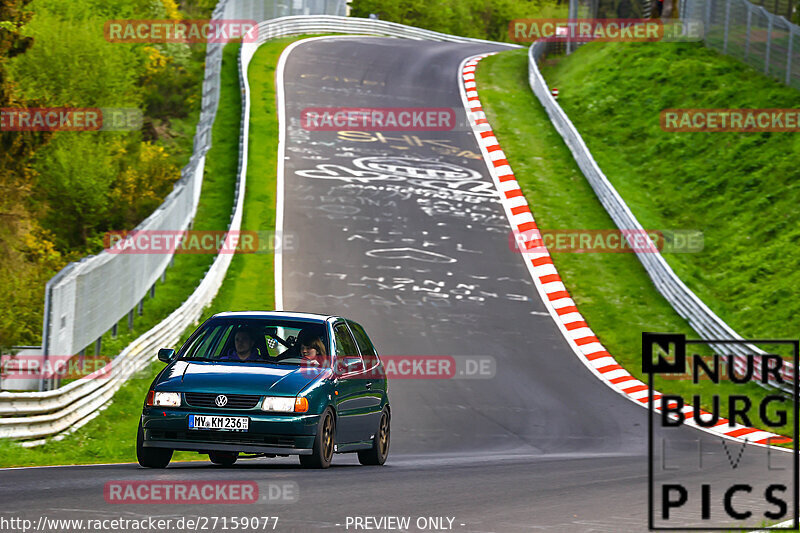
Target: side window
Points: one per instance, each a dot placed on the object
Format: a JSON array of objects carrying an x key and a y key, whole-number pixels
[
  {"x": 365, "y": 346},
  {"x": 345, "y": 345}
]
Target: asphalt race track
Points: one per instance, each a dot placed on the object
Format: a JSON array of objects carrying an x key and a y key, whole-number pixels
[{"x": 402, "y": 231}]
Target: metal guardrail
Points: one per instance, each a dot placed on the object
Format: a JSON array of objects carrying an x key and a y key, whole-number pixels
[
  {"x": 299, "y": 25},
  {"x": 702, "y": 319},
  {"x": 36, "y": 415}
]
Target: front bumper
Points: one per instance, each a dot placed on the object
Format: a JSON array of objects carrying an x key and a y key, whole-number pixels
[{"x": 267, "y": 433}]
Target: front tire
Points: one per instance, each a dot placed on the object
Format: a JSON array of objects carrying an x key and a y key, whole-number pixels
[
  {"x": 322, "y": 451},
  {"x": 380, "y": 444},
  {"x": 151, "y": 457},
  {"x": 223, "y": 458}
]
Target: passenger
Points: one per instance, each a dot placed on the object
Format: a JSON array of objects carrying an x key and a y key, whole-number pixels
[{"x": 312, "y": 349}]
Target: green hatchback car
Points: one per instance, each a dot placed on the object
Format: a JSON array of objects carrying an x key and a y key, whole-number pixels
[{"x": 269, "y": 384}]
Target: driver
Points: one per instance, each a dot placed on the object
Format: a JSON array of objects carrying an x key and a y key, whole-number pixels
[{"x": 244, "y": 346}]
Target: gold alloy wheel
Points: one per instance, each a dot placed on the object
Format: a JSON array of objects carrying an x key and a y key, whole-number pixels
[
  {"x": 383, "y": 437},
  {"x": 327, "y": 438}
]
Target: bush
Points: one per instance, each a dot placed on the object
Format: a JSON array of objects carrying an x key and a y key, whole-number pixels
[{"x": 61, "y": 191}]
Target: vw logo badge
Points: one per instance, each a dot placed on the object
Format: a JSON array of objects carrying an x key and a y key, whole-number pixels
[{"x": 221, "y": 400}]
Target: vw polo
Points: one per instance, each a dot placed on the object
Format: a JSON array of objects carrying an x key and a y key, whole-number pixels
[{"x": 269, "y": 384}]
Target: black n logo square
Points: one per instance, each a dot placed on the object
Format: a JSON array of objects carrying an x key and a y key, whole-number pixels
[{"x": 670, "y": 350}]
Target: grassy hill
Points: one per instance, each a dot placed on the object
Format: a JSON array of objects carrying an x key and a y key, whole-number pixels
[
  {"x": 736, "y": 188},
  {"x": 740, "y": 189}
]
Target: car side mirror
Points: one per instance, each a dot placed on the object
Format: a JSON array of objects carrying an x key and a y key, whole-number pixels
[
  {"x": 166, "y": 354},
  {"x": 348, "y": 363}
]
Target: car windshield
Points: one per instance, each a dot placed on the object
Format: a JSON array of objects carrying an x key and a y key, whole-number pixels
[{"x": 272, "y": 341}]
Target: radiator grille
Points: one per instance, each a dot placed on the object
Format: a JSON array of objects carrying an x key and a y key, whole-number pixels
[{"x": 208, "y": 399}]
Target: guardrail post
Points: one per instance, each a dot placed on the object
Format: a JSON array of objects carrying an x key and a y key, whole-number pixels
[
  {"x": 727, "y": 24},
  {"x": 140, "y": 307},
  {"x": 747, "y": 40},
  {"x": 769, "y": 43},
  {"x": 55, "y": 380},
  {"x": 708, "y": 15},
  {"x": 114, "y": 331},
  {"x": 572, "y": 14},
  {"x": 153, "y": 291},
  {"x": 130, "y": 320},
  {"x": 98, "y": 346},
  {"x": 48, "y": 289},
  {"x": 789, "y": 56}
]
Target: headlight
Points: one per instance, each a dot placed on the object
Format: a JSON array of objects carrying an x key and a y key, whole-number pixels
[
  {"x": 281, "y": 404},
  {"x": 165, "y": 399}
]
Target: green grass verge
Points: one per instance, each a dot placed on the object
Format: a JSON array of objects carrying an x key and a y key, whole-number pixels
[
  {"x": 612, "y": 290},
  {"x": 740, "y": 189},
  {"x": 249, "y": 283}
]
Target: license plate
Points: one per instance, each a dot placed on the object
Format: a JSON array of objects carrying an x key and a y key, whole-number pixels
[{"x": 223, "y": 423}]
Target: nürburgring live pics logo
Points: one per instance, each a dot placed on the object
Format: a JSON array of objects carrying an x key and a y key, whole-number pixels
[{"x": 712, "y": 491}]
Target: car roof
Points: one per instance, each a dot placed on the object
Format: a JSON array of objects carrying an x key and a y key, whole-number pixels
[{"x": 279, "y": 315}]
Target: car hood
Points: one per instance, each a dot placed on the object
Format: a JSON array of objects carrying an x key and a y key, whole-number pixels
[{"x": 237, "y": 378}]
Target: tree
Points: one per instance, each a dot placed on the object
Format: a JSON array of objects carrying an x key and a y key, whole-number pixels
[{"x": 26, "y": 255}]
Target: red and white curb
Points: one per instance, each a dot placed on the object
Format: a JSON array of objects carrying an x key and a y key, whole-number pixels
[{"x": 556, "y": 298}]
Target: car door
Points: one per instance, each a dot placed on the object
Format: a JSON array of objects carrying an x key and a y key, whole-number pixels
[
  {"x": 374, "y": 377},
  {"x": 350, "y": 387}
]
